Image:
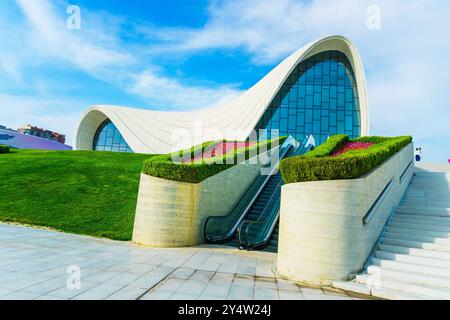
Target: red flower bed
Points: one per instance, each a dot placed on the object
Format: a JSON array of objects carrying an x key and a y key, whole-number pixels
[
  {"x": 221, "y": 148},
  {"x": 352, "y": 146}
]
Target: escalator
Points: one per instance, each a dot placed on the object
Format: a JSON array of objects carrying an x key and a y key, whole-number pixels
[
  {"x": 260, "y": 229},
  {"x": 256, "y": 206}
]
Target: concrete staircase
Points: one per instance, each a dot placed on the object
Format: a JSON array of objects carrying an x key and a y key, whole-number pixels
[{"x": 412, "y": 259}]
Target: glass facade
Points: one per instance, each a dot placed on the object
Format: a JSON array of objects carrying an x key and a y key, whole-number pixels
[
  {"x": 319, "y": 98},
  {"x": 108, "y": 138}
]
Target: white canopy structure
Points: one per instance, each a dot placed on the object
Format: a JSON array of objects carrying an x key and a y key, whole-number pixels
[{"x": 147, "y": 131}]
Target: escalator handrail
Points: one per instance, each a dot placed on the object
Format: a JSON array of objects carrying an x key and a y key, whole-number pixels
[
  {"x": 285, "y": 147},
  {"x": 259, "y": 220}
]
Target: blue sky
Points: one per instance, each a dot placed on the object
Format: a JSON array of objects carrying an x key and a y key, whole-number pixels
[{"x": 184, "y": 55}]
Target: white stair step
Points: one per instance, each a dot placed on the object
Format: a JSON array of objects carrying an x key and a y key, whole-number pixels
[
  {"x": 424, "y": 233},
  {"x": 445, "y": 256},
  {"x": 407, "y": 267},
  {"x": 352, "y": 287},
  {"x": 424, "y": 211},
  {"x": 412, "y": 277},
  {"x": 424, "y": 196},
  {"x": 415, "y": 244},
  {"x": 417, "y": 237},
  {"x": 432, "y": 221},
  {"x": 436, "y": 180},
  {"x": 390, "y": 294},
  {"x": 383, "y": 293},
  {"x": 404, "y": 287},
  {"x": 427, "y": 182},
  {"x": 427, "y": 203},
  {"x": 397, "y": 224},
  {"x": 418, "y": 260}
]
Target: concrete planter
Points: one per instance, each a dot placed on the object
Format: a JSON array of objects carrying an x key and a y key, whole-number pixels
[
  {"x": 173, "y": 214},
  {"x": 329, "y": 228}
]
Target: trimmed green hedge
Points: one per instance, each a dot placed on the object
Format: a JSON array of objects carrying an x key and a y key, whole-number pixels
[
  {"x": 163, "y": 167},
  {"x": 320, "y": 165},
  {"x": 4, "y": 149},
  {"x": 327, "y": 148}
]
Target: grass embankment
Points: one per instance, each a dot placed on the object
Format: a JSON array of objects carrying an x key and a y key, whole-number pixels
[{"x": 82, "y": 192}]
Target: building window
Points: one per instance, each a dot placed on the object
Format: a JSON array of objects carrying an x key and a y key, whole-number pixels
[
  {"x": 108, "y": 138},
  {"x": 319, "y": 97}
]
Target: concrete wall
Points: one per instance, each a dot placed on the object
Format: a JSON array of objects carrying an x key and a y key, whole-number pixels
[
  {"x": 173, "y": 214},
  {"x": 322, "y": 234}
]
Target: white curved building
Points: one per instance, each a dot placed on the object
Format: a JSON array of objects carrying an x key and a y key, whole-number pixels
[{"x": 320, "y": 89}]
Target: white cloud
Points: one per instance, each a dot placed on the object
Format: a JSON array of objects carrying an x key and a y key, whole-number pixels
[
  {"x": 102, "y": 54},
  {"x": 407, "y": 70},
  {"x": 172, "y": 94},
  {"x": 56, "y": 114},
  {"x": 50, "y": 37}
]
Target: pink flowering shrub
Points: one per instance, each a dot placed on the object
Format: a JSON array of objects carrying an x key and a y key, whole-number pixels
[
  {"x": 352, "y": 146},
  {"x": 220, "y": 149}
]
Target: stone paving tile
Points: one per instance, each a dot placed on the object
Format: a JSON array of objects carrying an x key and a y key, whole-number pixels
[
  {"x": 202, "y": 276},
  {"x": 192, "y": 287},
  {"x": 157, "y": 295},
  {"x": 4, "y": 292},
  {"x": 312, "y": 291},
  {"x": 265, "y": 294},
  {"x": 267, "y": 283},
  {"x": 124, "y": 278},
  {"x": 170, "y": 284},
  {"x": 66, "y": 293},
  {"x": 34, "y": 265},
  {"x": 49, "y": 297},
  {"x": 217, "y": 289},
  {"x": 127, "y": 293},
  {"x": 229, "y": 266},
  {"x": 244, "y": 280},
  {"x": 102, "y": 291},
  {"x": 286, "y": 285},
  {"x": 47, "y": 286},
  {"x": 264, "y": 268},
  {"x": 290, "y": 295},
  {"x": 247, "y": 266},
  {"x": 182, "y": 273},
  {"x": 240, "y": 292},
  {"x": 102, "y": 276},
  {"x": 324, "y": 297},
  {"x": 183, "y": 296},
  {"x": 18, "y": 295}
]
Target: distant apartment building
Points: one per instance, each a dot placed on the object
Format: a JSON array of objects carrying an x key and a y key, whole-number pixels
[
  {"x": 42, "y": 133},
  {"x": 5, "y": 128}
]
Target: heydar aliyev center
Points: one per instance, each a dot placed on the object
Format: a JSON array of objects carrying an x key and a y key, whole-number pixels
[{"x": 319, "y": 90}]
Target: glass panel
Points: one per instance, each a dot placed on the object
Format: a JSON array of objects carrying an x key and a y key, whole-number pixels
[
  {"x": 108, "y": 138},
  {"x": 320, "y": 97}
]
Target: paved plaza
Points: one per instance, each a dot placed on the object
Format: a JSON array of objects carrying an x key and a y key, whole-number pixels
[{"x": 38, "y": 264}]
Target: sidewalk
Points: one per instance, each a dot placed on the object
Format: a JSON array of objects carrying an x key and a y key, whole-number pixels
[{"x": 34, "y": 264}]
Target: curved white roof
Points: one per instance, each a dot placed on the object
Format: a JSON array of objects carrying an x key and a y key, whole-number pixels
[{"x": 148, "y": 131}]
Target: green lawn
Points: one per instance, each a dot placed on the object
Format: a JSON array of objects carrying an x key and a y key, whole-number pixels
[{"x": 83, "y": 192}]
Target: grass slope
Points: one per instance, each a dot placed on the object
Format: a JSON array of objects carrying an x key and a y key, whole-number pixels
[{"x": 83, "y": 192}]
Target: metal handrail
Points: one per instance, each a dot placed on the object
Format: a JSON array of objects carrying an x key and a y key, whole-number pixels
[
  {"x": 249, "y": 223},
  {"x": 406, "y": 171},
  {"x": 369, "y": 215},
  {"x": 287, "y": 145}
]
